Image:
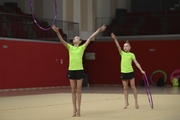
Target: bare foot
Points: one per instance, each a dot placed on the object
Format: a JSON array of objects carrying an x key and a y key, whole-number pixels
[
  {"x": 125, "y": 107},
  {"x": 136, "y": 106},
  {"x": 78, "y": 113},
  {"x": 74, "y": 113}
]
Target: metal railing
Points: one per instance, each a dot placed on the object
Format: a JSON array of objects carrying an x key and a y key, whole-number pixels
[
  {"x": 70, "y": 29},
  {"x": 165, "y": 20}
]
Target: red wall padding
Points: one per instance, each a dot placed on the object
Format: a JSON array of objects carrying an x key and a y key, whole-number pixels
[
  {"x": 32, "y": 64},
  {"x": 36, "y": 64},
  {"x": 105, "y": 69}
]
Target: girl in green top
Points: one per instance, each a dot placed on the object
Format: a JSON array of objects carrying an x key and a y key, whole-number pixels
[
  {"x": 75, "y": 70},
  {"x": 127, "y": 72}
]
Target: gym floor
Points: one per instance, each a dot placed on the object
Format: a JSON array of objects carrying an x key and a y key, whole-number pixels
[{"x": 99, "y": 102}]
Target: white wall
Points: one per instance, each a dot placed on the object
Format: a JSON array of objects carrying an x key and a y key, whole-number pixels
[
  {"x": 63, "y": 10},
  {"x": 125, "y": 4},
  {"x": 86, "y": 34},
  {"x": 49, "y": 9},
  {"x": 27, "y": 6},
  {"x": 90, "y": 15},
  {"x": 103, "y": 8},
  {"x": 76, "y": 14},
  {"x": 103, "y": 11},
  {"x": 122, "y": 4},
  {"x": 128, "y": 5}
]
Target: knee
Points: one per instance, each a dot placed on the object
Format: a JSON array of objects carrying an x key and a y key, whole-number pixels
[
  {"x": 133, "y": 87},
  {"x": 73, "y": 90},
  {"x": 79, "y": 90},
  {"x": 125, "y": 87}
]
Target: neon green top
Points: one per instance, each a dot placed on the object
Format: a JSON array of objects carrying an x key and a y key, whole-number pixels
[
  {"x": 126, "y": 61},
  {"x": 75, "y": 57}
]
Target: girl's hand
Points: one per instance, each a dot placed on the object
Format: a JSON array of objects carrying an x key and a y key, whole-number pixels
[
  {"x": 113, "y": 36},
  {"x": 143, "y": 72},
  {"x": 56, "y": 29},
  {"x": 102, "y": 28}
]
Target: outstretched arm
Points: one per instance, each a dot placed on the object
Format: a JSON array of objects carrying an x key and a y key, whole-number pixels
[
  {"x": 116, "y": 42},
  {"x": 56, "y": 29},
  {"x": 138, "y": 66},
  {"x": 94, "y": 34}
]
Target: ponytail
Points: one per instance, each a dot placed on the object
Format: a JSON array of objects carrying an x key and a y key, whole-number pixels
[{"x": 127, "y": 41}]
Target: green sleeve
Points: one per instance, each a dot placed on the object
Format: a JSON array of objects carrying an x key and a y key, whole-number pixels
[
  {"x": 68, "y": 46},
  {"x": 133, "y": 56},
  {"x": 121, "y": 53}
]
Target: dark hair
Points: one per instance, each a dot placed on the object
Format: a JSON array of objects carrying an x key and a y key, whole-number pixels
[{"x": 82, "y": 42}]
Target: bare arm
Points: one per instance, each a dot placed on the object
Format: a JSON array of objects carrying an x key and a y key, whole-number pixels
[
  {"x": 56, "y": 29},
  {"x": 138, "y": 66},
  {"x": 116, "y": 42},
  {"x": 94, "y": 34}
]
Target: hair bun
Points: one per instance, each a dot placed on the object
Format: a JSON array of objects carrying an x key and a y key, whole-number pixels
[{"x": 127, "y": 41}]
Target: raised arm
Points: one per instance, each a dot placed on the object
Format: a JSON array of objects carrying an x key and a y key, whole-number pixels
[
  {"x": 116, "y": 42},
  {"x": 56, "y": 29},
  {"x": 94, "y": 34},
  {"x": 138, "y": 66}
]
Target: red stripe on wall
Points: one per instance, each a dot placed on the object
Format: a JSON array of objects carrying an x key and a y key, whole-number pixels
[
  {"x": 36, "y": 64},
  {"x": 105, "y": 69},
  {"x": 32, "y": 64}
]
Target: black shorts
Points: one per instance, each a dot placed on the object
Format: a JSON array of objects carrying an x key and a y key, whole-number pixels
[
  {"x": 127, "y": 76},
  {"x": 75, "y": 74}
]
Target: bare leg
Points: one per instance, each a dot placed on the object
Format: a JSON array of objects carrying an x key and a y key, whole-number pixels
[
  {"x": 74, "y": 90},
  {"x": 132, "y": 83},
  {"x": 125, "y": 85},
  {"x": 79, "y": 94}
]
